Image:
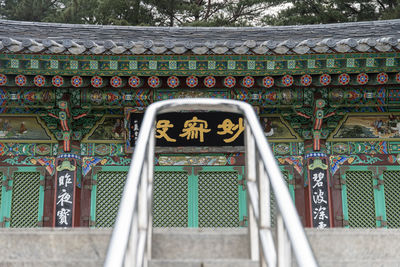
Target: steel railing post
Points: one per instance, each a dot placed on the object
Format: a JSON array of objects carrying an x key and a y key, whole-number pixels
[
  {"x": 250, "y": 154},
  {"x": 142, "y": 215},
  {"x": 264, "y": 203},
  {"x": 284, "y": 255},
  {"x": 150, "y": 177}
]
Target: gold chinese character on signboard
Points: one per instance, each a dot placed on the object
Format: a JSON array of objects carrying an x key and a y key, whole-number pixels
[
  {"x": 228, "y": 127},
  {"x": 162, "y": 128},
  {"x": 195, "y": 129}
]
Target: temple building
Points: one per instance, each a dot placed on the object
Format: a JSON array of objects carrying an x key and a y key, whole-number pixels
[{"x": 72, "y": 99}]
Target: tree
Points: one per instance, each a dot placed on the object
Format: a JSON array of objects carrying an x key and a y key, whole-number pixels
[
  {"x": 28, "y": 10},
  {"x": 76, "y": 11},
  {"x": 208, "y": 12},
  {"x": 332, "y": 11},
  {"x": 199, "y": 12},
  {"x": 124, "y": 12}
]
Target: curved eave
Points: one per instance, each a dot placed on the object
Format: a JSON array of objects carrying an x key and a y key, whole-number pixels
[{"x": 53, "y": 38}]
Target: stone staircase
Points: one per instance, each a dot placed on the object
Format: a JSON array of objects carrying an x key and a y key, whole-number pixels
[
  {"x": 192, "y": 247},
  {"x": 196, "y": 247}
]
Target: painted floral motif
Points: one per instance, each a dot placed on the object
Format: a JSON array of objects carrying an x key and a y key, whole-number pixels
[
  {"x": 57, "y": 81},
  {"x": 344, "y": 78},
  {"x": 268, "y": 82},
  {"x": 306, "y": 80},
  {"x": 362, "y": 78},
  {"x": 192, "y": 81},
  {"x": 3, "y": 79},
  {"x": 116, "y": 82},
  {"x": 325, "y": 79},
  {"x": 39, "y": 80},
  {"x": 398, "y": 77},
  {"x": 76, "y": 81},
  {"x": 248, "y": 81},
  {"x": 287, "y": 80},
  {"x": 229, "y": 81},
  {"x": 20, "y": 80},
  {"x": 96, "y": 81},
  {"x": 173, "y": 81},
  {"x": 382, "y": 78},
  {"x": 134, "y": 81},
  {"x": 209, "y": 81},
  {"x": 154, "y": 82}
]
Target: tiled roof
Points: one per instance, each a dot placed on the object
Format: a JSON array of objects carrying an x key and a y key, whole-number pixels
[{"x": 34, "y": 37}]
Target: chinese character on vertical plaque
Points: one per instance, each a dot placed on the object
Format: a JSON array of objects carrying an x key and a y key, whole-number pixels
[
  {"x": 319, "y": 193},
  {"x": 65, "y": 193}
]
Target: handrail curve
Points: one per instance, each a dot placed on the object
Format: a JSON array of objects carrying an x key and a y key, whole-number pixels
[{"x": 130, "y": 243}]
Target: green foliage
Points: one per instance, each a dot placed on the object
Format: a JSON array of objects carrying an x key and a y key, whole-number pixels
[
  {"x": 199, "y": 12},
  {"x": 29, "y": 10},
  {"x": 300, "y": 12}
]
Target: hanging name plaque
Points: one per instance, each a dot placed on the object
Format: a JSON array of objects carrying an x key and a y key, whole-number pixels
[
  {"x": 178, "y": 129},
  {"x": 65, "y": 193},
  {"x": 319, "y": 193}
]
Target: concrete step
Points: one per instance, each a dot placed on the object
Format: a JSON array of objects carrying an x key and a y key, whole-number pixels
[
  {"x": 69, "y": 263},
  {"x": 192, "y": 247},
  {"x": 36, "y": 247},
  {"x": 203, "y": 263},
  {"x": 355, "y": 247},
  {"x": 200, "y": 243}
]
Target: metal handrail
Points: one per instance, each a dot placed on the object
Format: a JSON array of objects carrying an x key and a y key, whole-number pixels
[{"x": 130, "y": 243}]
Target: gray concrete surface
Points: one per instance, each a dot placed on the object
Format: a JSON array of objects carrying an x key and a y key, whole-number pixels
[{"x": 192, "y": 247}]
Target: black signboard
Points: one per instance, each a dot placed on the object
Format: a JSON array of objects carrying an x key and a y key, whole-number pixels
[
  {"x": 192, "y": 129},
  {"x": 319, "y": 194},
  {"x": 65, "y": 193}
]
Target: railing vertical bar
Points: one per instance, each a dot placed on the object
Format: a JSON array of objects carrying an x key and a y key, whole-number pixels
[
  {"x": 284, "y": 257},
  {"x": 130, "y": 256},
  {"x": 150, "y": 177},
  {"x": 265, "y": 198},
  {"x": 142, "y": 202},
  {"x": 268, "y": 248},
  {"x": 141, "y": 248},
  {"x": 142, "y": 214},
  {"x": 264, "y": 206},
  {"x": 251, "y": 177}
]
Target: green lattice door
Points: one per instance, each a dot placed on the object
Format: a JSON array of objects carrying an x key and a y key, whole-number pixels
[
  {"x": 22, "y": 198},
  {"x": 370, "y": 197},
  {"x": 391, "y": 188},
  {"x": 106, "y": 195},
  {"x": 207, "y": 196}
]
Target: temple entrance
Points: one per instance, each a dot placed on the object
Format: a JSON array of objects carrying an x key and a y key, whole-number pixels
[
  {"x": 370, "y": 196},
  {"x": 184, "y": 196},
  {"x": 21, "y": 197},
  {"x": 200, "y": 196}
]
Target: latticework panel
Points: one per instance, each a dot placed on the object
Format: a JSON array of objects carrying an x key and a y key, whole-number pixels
[
  {"x": 170, "y": 201},
  {"x": 392, "y": 201},
  {"x": 218, "y": 199},
  {"x": 360, "y": 199},
  {"x": 273, "y": 202},
  {"x": 110, "y": 185},
  {"x": 1, "y": 189},
  {"x": 25, "y": 199}
]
